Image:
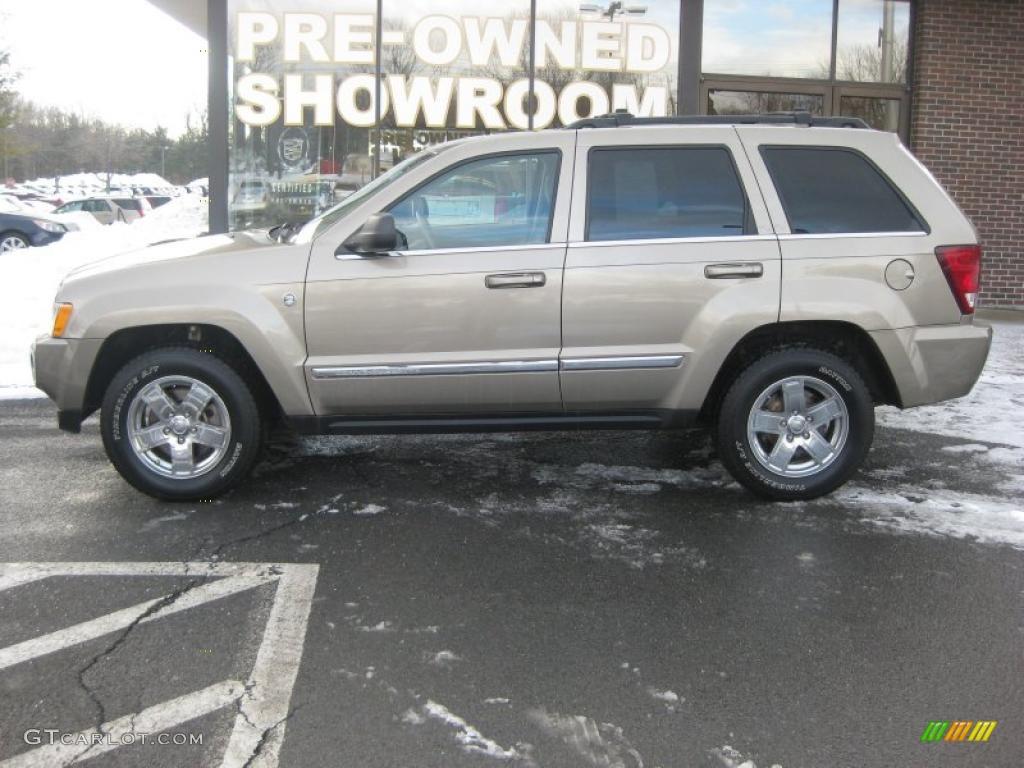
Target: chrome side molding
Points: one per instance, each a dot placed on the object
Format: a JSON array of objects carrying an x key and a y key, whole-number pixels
[
  {"x": 434, "y": 369},
  {"x": 501, "y": 366},
  {"x": 620, "y": 363}
]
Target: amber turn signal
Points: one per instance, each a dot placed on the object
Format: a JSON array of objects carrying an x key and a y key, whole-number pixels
[{"x": 60, "y": 319}]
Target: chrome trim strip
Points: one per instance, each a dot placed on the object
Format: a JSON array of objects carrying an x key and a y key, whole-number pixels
[
  {"x": 844, "y": 235},
  {"x": 670, "y": 241},
  {"x": 433, "y": 369},
  {"x": 620, "y": 363},
  {"x": 443, "y": 251}
]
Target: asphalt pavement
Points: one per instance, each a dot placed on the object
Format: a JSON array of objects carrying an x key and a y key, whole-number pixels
[{"x": 553, "y": 599}]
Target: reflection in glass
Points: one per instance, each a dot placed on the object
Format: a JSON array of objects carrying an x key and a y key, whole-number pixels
[
  {"x": 288, "y": 162},
  {"x": 594, "y": 58},
  {"x": 790, "y": 39},
  {"x": 492, "y": 202},
  {"x": 722, "y": 102},
  {"x": 451, "y": 70},
  {"x": 883, "y": 114},
  {"x": 873, "y": 40}
]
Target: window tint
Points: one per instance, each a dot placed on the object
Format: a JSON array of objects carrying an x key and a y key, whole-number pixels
[
  {"x": 836, "y": 191},
  {"x": 637, "y": 193},
  {"x": 129, "y": 203},
  {"x": 494, "y": 201}
]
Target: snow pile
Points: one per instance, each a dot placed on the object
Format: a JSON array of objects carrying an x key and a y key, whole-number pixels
[{"x": 32, "y": 276}]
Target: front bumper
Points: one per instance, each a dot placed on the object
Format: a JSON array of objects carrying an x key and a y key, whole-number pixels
[
  {"x": 41, "y": 237},
  {"x": 61, "y": 368},
  {"x": 936, "y": 362}
]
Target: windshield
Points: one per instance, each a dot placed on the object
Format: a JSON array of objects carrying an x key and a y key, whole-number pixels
[{"x": 323, "y": 222}]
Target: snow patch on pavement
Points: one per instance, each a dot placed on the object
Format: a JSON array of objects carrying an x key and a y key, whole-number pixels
[
  {"x": 602, "y": 744},
  {"x": 470, "y": 738},
  {"x": 963, "y": 516}
]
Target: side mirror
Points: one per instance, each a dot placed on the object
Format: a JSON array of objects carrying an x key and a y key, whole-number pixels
[{"x": 377, "y": 236}]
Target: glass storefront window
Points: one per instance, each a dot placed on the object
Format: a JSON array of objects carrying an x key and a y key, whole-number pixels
[
  {"x": 723, "y": 102},
  {"x": 626, "y": 57},
  {"x": 883, "y": 114},
  {"x": 777, "y": 39},
  {"x": 873, "y": 41},
  {"x": 305, "y": 128},
  {"x": 296, "y": 148}
]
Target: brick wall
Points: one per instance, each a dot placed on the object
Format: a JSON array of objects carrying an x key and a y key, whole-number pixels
[{"x": 967, "y": 125}]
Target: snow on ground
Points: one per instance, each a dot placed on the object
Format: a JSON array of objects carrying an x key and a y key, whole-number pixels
[{"x": 32, "y": 276}]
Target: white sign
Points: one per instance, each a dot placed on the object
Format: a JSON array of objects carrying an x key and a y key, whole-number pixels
[{"x": 441, "y": 42}]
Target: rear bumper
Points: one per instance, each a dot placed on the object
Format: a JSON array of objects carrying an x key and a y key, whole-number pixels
[
  {"x": 934, "y": 363},
  {"x": 61, "y": 368}
]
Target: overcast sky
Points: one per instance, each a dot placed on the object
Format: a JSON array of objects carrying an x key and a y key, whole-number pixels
[{"x": 120, "y": 60}]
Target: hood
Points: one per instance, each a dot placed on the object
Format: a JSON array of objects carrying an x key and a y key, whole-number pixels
[{"x": 174, "y": 249}]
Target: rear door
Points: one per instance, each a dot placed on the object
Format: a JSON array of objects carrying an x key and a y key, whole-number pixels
[{"x": 671, "y": 260}]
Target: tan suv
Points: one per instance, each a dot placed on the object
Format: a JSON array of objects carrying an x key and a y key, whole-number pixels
[{"x": 775, "y": 276}]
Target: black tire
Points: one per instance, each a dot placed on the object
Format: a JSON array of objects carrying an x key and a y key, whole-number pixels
[
  {"x": 731, "y": 434},
  {"x": 246, "y": 428}
]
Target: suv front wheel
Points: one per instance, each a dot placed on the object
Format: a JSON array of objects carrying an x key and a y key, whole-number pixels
[
  {"x": 795, "y": 425},
  {"x": 178, "y": 423}
]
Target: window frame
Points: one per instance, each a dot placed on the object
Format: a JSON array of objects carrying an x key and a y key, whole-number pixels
[
  {"x": 925, "y": 226},
  {"x": 748, "y": 212},
  {"x": 476, "y": 158}
]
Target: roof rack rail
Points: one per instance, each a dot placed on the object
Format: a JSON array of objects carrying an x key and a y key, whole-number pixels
[{"x": 621, "y": 117}]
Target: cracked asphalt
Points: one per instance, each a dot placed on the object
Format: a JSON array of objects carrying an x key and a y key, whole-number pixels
[{"x": 577, "y": 599}]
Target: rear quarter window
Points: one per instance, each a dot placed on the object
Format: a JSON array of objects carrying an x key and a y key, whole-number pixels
[
  {"x": 129, "y": 203},
  {"x": 829, "y": 190}
]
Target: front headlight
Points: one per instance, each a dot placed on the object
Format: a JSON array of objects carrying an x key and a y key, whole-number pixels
[
  {"x": 49, "y": 226},
  {"x": 61, "y": 317}
]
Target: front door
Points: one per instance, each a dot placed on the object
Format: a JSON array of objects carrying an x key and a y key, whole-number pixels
[{"x": 464, "y": 319}]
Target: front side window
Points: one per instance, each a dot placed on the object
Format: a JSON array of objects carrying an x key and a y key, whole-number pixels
[
  {"x": 502, "y": 200},
  {"x": 827, "y": 190},
  {"x": 639, "y": 193}
]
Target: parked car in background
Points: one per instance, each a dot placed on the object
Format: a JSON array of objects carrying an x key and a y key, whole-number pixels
[
  {"x": 107, "y": 210},
  {"x": 252, "y": 195},
  {"x": 21, "y": 230}
]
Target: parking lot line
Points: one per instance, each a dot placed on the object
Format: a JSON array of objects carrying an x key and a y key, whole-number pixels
[
  {"x": 264, "y": 699},
  {"x": 152, "y": 720}
]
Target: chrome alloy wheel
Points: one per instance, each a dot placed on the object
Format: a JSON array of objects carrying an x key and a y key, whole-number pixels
[
  {"x": 12, "y": 243},
  {"x": 798, "y": 426},
  {"x": 179, "y": 427}
]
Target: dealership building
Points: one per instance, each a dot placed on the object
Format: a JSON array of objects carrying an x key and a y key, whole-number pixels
[{"x": 310, "y": 99}]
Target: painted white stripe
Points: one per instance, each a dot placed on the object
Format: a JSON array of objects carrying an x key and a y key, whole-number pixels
[
  {"x": 266, "y": 704},
  {"x": 111, "y": 622},
  {"x": 153, "y": 720},
  {"x": 9, "y": 581}
]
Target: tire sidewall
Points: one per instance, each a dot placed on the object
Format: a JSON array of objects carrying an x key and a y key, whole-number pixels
[
  {"x": 734, "y": 444},
  {"x": 139, "y": 373}
]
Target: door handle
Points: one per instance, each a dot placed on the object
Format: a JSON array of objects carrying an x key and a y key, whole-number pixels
[
  {"x": 733, "y": 270},
  {"x": 516, "y": 280}
]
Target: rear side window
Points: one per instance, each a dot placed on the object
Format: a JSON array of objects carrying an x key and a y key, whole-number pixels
[
  {"x": 639, "y": 193},
  {"x": 829, "y": 191},
  {"x": 129, "y": 203}
]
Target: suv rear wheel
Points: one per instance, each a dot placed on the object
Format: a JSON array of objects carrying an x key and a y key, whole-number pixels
[
  {"x": 796, "y": 424},
  {"x": 180, "y": 424}
]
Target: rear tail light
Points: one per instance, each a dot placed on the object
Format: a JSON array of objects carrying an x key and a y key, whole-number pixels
[{"x": 961, "y": 264}]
